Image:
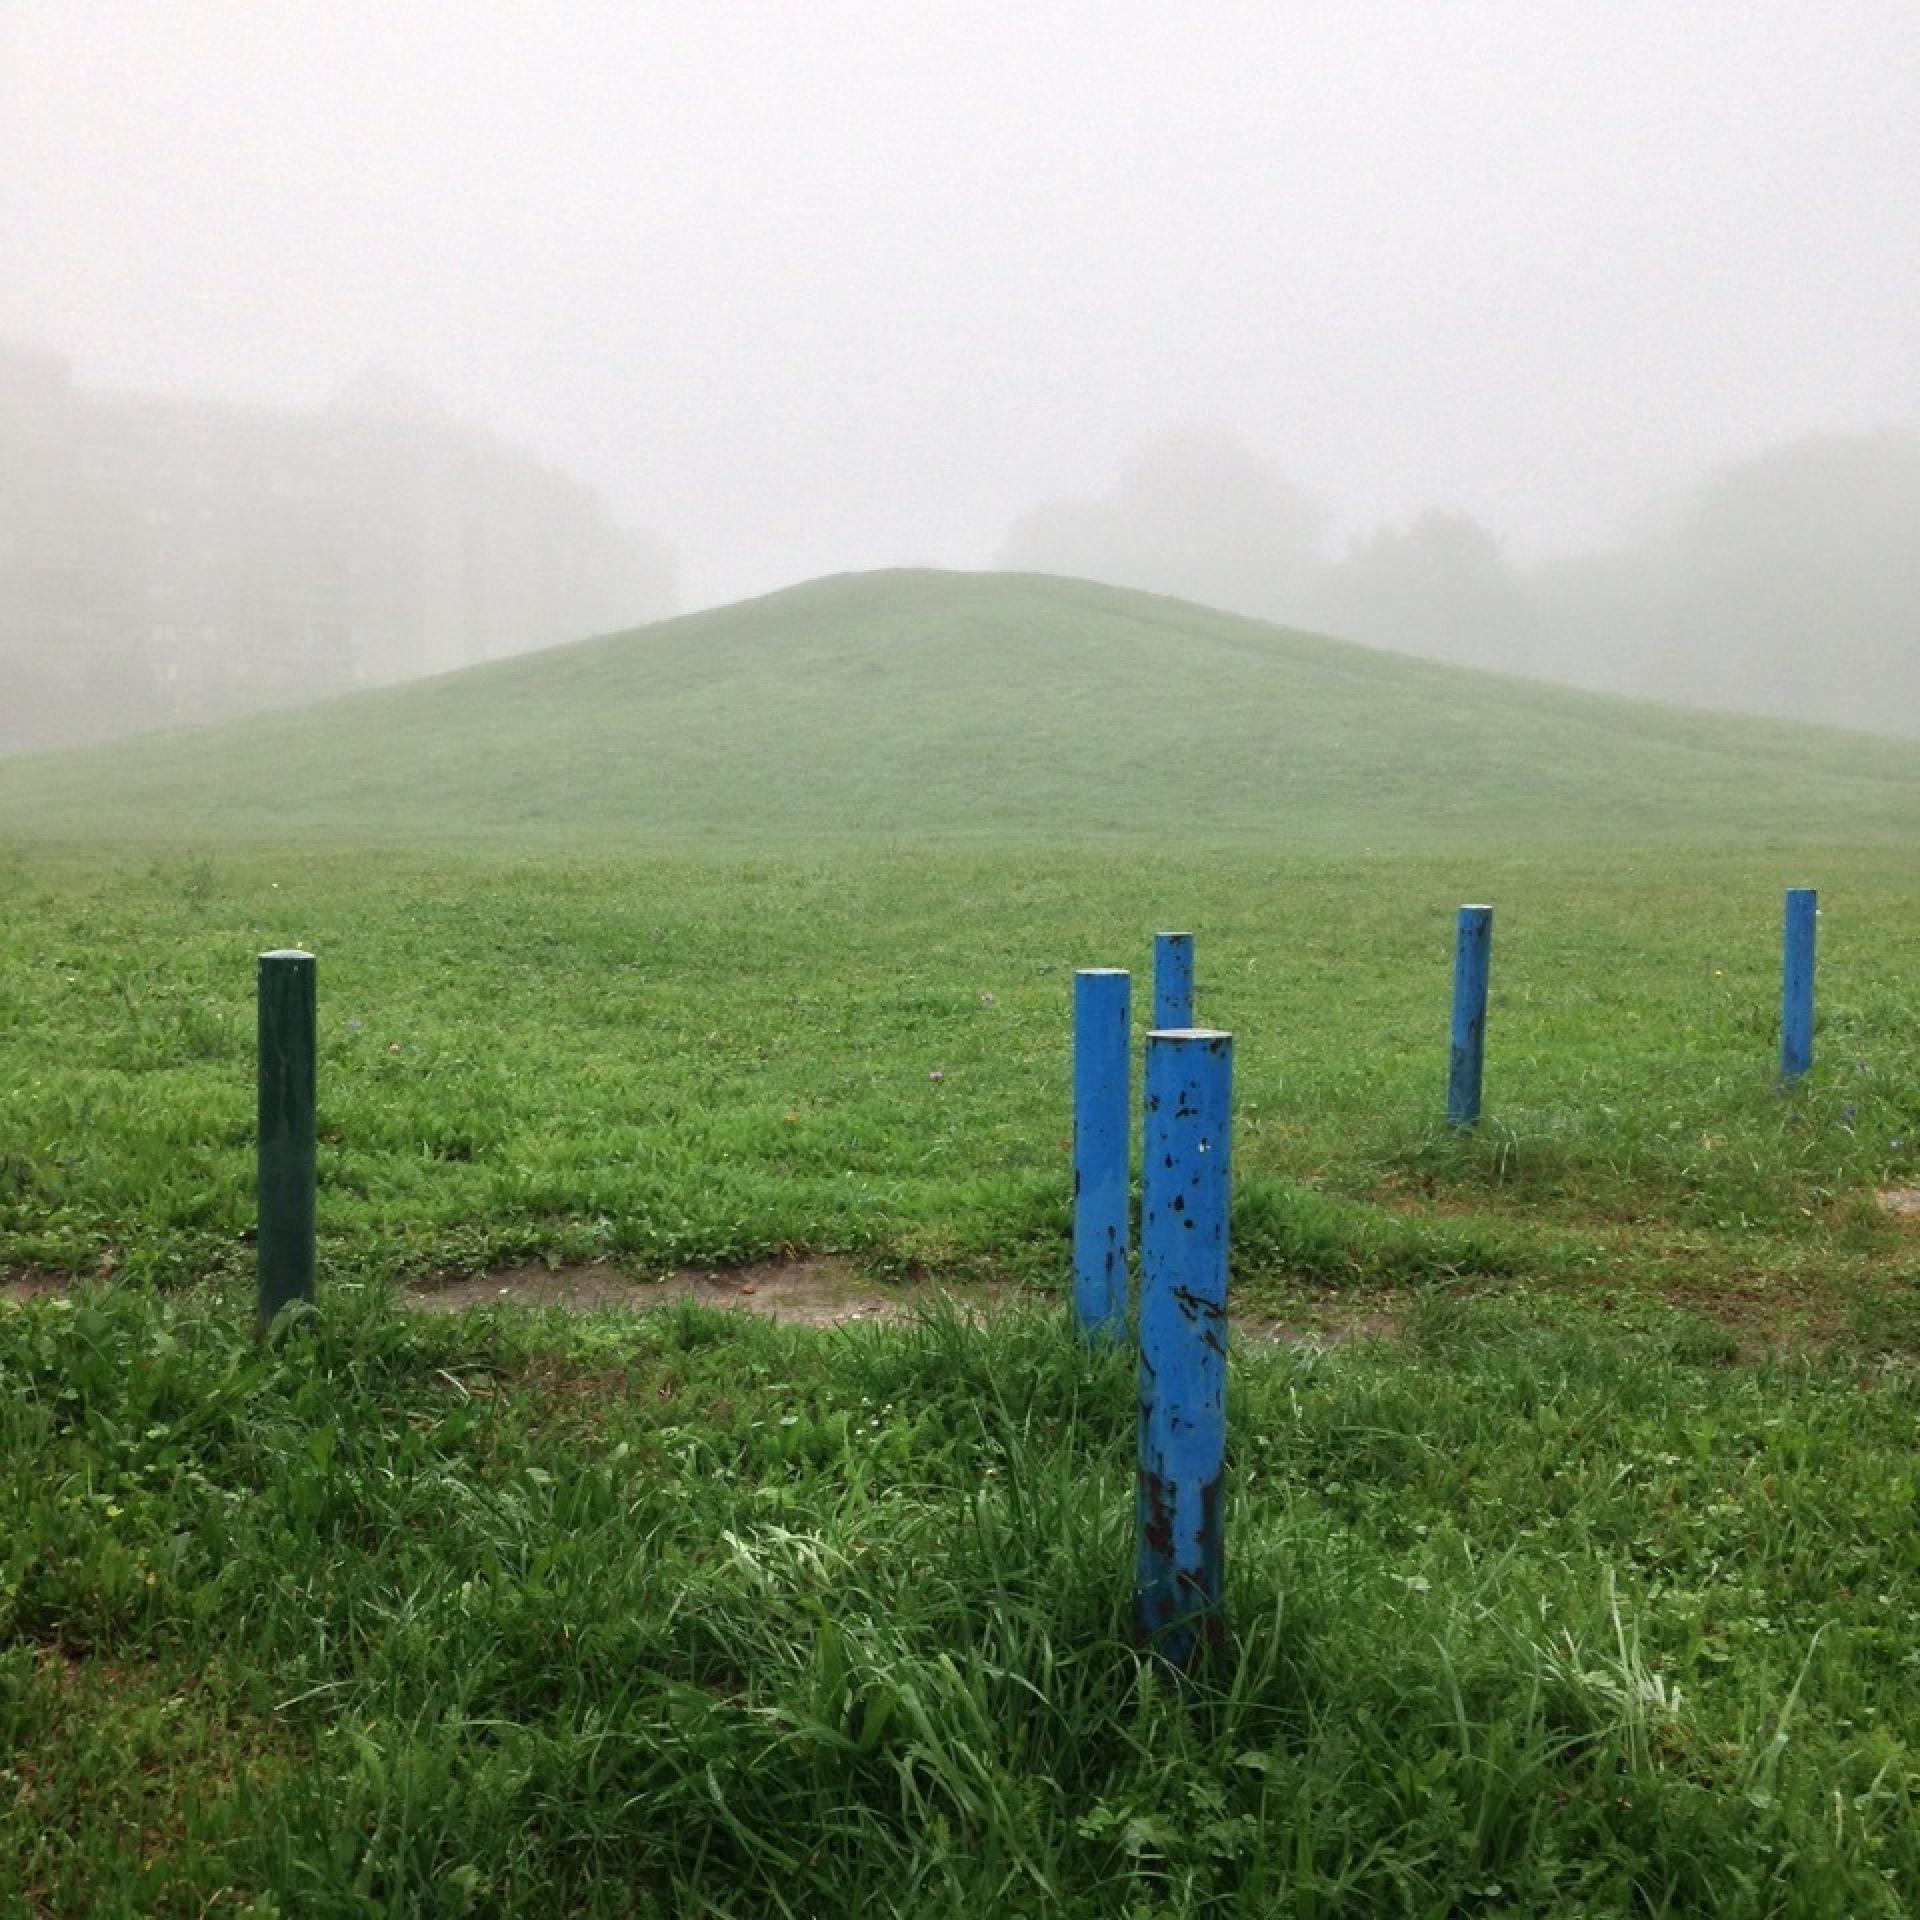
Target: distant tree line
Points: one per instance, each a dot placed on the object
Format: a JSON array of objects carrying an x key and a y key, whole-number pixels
[
  {"x": 166, "y": 559},
  {"x": 1786, "y": 584}
]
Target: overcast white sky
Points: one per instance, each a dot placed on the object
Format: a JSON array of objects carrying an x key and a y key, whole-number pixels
[{"x": 813, "y": 285}]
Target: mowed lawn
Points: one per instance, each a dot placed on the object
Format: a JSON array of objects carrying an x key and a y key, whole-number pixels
[
  {"x": 715, "y": 1059},
  {"x": 1573, "y": 1569}
]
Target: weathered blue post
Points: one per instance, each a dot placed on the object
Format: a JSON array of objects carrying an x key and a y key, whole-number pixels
[
  {"x": 1172, "y": 981},
  {"x": 1183, "y": 1343},
  {"x": 1796, "y": 983},
  {"x": 287, "y": 1138},
  {"x": 1471, "y": 956},
  {"x": 1102, "y": 1103}
]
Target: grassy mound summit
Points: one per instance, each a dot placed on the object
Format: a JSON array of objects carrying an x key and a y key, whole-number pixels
[{"x": 925, "y": 703}]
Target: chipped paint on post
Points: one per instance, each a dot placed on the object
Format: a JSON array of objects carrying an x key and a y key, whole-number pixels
[
  {"x": 1796, "y": 983},
  {"x": 1172, "y": 981},
  {"x": 1183, "y": 1342},
  {"x": 1102, "y": 1104},
  {"x": 1472, "y": 957},
  {"x": 288, "y": 1142}
]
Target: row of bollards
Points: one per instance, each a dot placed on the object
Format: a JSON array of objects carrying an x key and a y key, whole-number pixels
[
  {"x": 1472, "y": 959},
  {"x": 1182, "y": 1317},
  {"x": 1181, "y": 1321},
  {"x": 1185, "y": 1181}
]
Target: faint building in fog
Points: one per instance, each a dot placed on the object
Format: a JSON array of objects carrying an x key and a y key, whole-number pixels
[{"x": 165, "y": 559}]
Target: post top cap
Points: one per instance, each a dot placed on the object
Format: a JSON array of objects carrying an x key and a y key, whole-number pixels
[
  {"x": 287, "y": 953},
  {"x": 1185, "y": 1034},
  {"x": 1120, "y": 971},
  {"x": 1476, "y": 906},
  {"x": 1173, "y": 933}
]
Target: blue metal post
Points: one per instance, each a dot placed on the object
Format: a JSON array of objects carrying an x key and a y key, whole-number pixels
[
  {"x": 1471, "y": 956},
  {"x": 1796, "y": 983},
  {"x": 1172, "y": 981},
  {"x": 287, "y": 1132},
  {"x": 1102, "y": 1103},
  {"x": 1183, "y": 1343}
]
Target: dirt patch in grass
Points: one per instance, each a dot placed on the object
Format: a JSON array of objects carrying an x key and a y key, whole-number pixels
[
  {"x": 820, "y": 1292},
  {"x": 1320, "y": 1331},
  {"x": 824, "y": 1292},
  {"x": 21, "y": 1283},
  {"x": 1902, "y": 1202}
]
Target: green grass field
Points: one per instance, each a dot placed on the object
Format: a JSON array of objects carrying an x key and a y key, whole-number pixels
[{"x": 1588, "y": 1585}]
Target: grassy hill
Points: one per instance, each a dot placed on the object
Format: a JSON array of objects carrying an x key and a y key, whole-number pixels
[{"x": 919, "y": 703}]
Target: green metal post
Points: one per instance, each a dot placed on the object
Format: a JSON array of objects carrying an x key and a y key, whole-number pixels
[{"x": 287, "y": 1134}]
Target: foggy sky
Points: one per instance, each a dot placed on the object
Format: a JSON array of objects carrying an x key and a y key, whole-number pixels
[{"x": 804, "y": 287}]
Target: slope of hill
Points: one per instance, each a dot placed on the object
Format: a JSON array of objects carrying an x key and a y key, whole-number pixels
[{"x": 923, "y": 703}]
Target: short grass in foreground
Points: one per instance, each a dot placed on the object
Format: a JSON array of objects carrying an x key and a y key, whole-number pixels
[{"x": 696, "y": 1615}]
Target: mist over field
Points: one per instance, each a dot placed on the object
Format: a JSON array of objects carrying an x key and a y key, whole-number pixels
[
  {"x": 338, "y": 347},
  {"x": 172, "y": 560},
  {"x": 1787, "y": 583},
  {"x": 631, "y": 1282}
]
